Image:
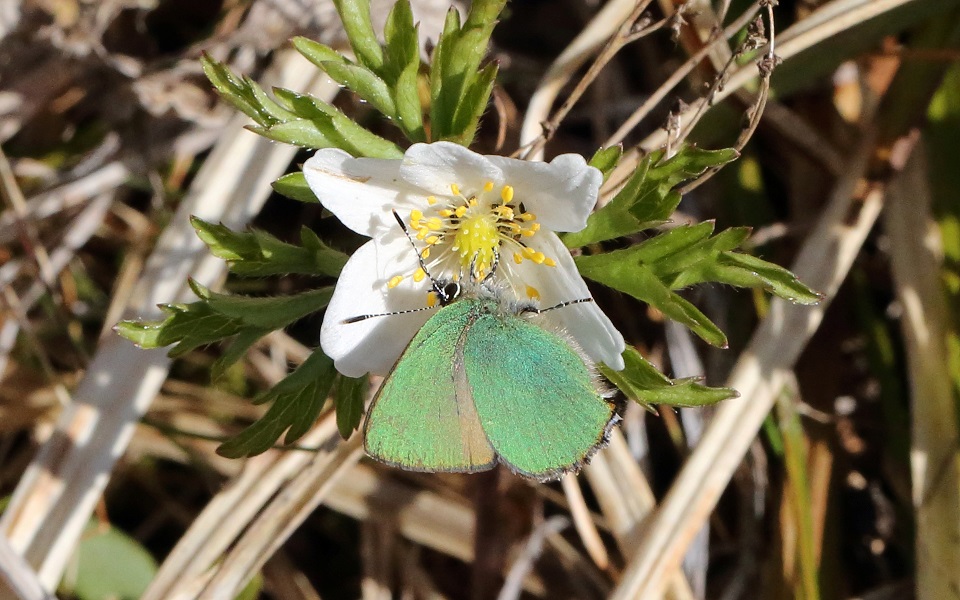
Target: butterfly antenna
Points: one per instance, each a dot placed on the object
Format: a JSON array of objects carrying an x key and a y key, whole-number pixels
[
  {"x": 535, "y": 310},
  {"x": 359, "y": 318}
]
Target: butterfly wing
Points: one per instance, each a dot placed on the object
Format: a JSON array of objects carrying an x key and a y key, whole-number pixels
[
  {"x": 535, "y": 396},
  {"x": 423, "y": 418}
]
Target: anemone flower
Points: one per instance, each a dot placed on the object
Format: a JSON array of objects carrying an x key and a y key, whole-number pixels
[{"x": 470, "y": 218}]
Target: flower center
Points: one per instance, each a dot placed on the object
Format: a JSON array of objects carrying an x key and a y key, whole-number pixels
[{"x": 469, "y": 233}]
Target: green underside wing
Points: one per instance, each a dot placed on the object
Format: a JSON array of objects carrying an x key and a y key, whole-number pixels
[{"x": 478, "y": 385}]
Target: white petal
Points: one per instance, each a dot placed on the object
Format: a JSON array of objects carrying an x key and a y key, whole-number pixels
[
  {"x": 561, "y": 193},
  {"x": 361, "y": 192},
  {"x": 588, "y": 325},
  {"x": 434, "y": 167},
  {"x": 374, "y": 345}
]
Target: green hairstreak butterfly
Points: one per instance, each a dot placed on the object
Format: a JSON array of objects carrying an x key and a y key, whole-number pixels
[{"x": 480, "y": 383}]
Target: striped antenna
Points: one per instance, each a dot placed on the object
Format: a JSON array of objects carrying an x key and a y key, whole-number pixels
[{"x": 537, "y": 311}]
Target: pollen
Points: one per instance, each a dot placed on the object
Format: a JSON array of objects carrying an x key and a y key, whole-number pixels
[
  {"x": 425, "y": 254},
  {"x": 517, "y": 257},
  {"x": 533, "y": 293},
  {"x": 416, "y": 215},
  {"x": 460, "y": 211},
  {"x": 419, "y": 274},
  {"x": 455, "y": 189},
  {"x": 431, "y": 299},
  {"x": 432, "y": 239},
  {"x": 549, "y": 262},
  {"x": 434, "y": 223},
  {"x": 431, "y": 200},
  {"x": 394, "y": 281},
  {"x": 488, "y": 186},
  {"x": 506, "y": 194}
]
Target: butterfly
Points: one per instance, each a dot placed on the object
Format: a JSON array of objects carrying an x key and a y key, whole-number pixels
[{"x": 481, "y": 384}]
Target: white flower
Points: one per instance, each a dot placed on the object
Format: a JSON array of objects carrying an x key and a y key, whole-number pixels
[{"x": 464, "y": 212}]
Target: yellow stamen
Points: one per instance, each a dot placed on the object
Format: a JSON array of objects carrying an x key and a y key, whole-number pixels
[
  {"x": 431, "y": 200},
  {"x": 473, "y": 202},
  {"x": 517, "y": 257},
  {"x": 461, "y": 210},
  {"x": 527, "y": 217},
  {"x": 529, "y": 252},
  {"x": 488, "y": 186},
  {"x": 534, "y": 226},
  {"x": 432, "y": 240},
  {"x": 532, "y": 293},
  {"x": 419, "y": 274},
  {"x": 506, "y": 194},
  {"x": 394, "y": 281},
  {"x": 539, "y": 258},
  {"x": 425, "y": 254},
  {"x": 549, "y": 262},
  {"x": 434, "y": 223},
  {"x": 455, "y": 189},
  {"x": 446, "y": 213},
  {"x": 416, "y": 215},
  {"x": 422, "y": 233},
  {"x": 528, "y": 233},
  {"x": 431, "y": 299}
]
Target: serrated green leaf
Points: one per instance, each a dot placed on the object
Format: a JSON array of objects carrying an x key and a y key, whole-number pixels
[
  {"x": 707, "y": 250},
  {"x": 141, "y": 333},
  {"x": 316, "y": 52},
  {"x": 349, "y": 397},
  {"x": 294, "y": 186},
  {"x": 648, "y": 198},
  {"x": 473, "y": 105},
  {"x": 244, "y": 94},
  {"x": 194, "y": 325},
  {"x": 668, "y": 243},
  {"x": 639, "y": 281},
  {"x": 270, "y": 312},
  {"x": 296, "y": 402},
  {"x": 643, "y": 383},
  {"x": 774, "y": 278},
  {"x": 355, "y": 15},
  {"x": 259, "y": 254},
  {"x": 236, "y": 350},
  {"x": 606, "y": 159},
  {"x": 365, "y": 83}
]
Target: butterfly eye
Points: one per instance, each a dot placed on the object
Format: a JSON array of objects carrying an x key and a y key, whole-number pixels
[{"x": 451, "y": 291}]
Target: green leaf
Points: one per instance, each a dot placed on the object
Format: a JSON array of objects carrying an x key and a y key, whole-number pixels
[
  {"x": 606, "y": 159},
  {"x": 245, "y": 95},
  {"x": 473, "y": 105},
  {"x": 269, "y": 312},
  {"x": 298, "y": 132},
  {"x": 193, "y": 325},
  {"x": 648, "y": 198},
  {"x": 401, "y": 70},
  {"x": 259, "y": 254},
  {"x": 296, "y": 402},
  {"x": 141, "y": 333},
  {"x": 294, "y": 186},
  {"x": 236, "y": 350},
  {"x": 349, "y": 397},
  {"x": 771, "y": 277},
  {"x": 355, "y": 15},
  {"x": 365, "y": 83},
  {"x": 641, "y": 282},
  {"x": 641, "y": 382},
  {"x": 342, "y": 131},
  {"x": 109, "y": 564},
  {"x": 316, "y": 52}
]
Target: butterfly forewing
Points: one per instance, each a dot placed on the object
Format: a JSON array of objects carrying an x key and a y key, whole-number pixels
[
  {"x": 423, "y": 417},
  {"x": 535, "y": 396}
]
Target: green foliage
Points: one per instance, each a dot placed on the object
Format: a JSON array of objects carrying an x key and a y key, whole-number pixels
[
  {"x": 296, "y": 403},
  {"x": 109, "y": 564},
  {"x": 654, "y": 269},
  {"x": 606, "y": 159},
  {"x": 259, "y": 254},
  {"x": 294, "y": 186},
  {"x": 349, "y": 397},
  {"x": 649, "y": 196},
  {"x": 641, "y": 382}
]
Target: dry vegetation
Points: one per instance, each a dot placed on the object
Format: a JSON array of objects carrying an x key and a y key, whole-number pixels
[{"x": 834, "y": 475}]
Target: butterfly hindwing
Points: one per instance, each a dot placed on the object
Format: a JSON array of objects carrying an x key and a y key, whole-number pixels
[
  {"x": 423, "y": 417},
  {"x": 535, "y": 397}
]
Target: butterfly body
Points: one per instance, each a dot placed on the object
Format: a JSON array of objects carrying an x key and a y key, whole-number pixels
[{"x": 481, "y": 384}]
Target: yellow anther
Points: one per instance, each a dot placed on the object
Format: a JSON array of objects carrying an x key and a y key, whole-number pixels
[
  {"x": 517, "y": 257},
  {"x": 416, "y": 215},
  {"x": 550, "y": 262},
  {"x": 446, "y": 213},
  {"x": 419, "y": 274},
  {"x": 481, "y": 274},
  {"x": 422, "y": 233},
  {"x": 461, "y": 210},
  {"x": 506, "y": 194},
  {"x": 528, "y": 233},
  {"x": 473, "y": 202},
  {"x": 539, "y": 258},
  {"x": 534, "y": 226},
  {"x": 425, "y": 254},
  {"x": 513, "y": 227},
  {"x": 434, "y": 223},
  {"x": 432, "y": 240},
  {"x": 504, "y": 212},
  {"x": 533, "y": 293},
  {"x": 431, "y": 200},
  {"x": 488, "y": 186},
  {"x": 455, "y": 189},
  {"x": 529, "y": 252},
  {"x": 394, "y": 281},
  {"x": 527, "y": 217},
  {"x": 431, "y": 299}
]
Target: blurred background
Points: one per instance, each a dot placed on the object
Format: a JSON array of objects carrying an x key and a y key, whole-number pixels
[{"x": 110, "y": 485}]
